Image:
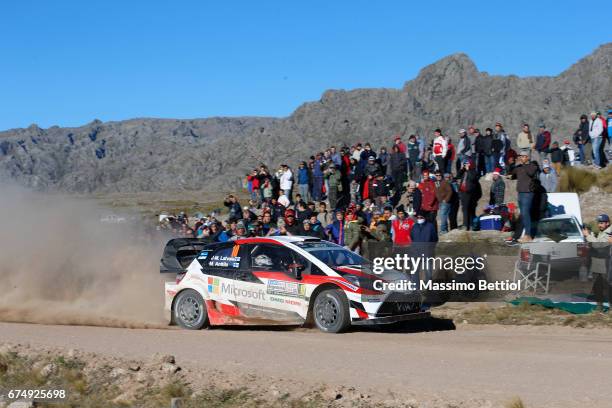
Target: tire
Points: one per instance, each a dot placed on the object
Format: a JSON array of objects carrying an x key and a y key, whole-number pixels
[
  {"x": 189, "y": 310},
  {"x": 331, "y": 311}
]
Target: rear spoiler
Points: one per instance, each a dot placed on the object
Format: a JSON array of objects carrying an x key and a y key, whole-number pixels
[{"x": 179, "y": 253}]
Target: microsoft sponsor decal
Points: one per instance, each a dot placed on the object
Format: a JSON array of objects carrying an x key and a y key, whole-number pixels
[{"x": 216, "y": 287}]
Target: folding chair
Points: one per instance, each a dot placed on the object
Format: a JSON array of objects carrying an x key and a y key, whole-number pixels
[{"x": 532, "y": 277}]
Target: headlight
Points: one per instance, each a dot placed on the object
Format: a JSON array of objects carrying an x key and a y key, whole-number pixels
[{"x": 352, "y": 279}]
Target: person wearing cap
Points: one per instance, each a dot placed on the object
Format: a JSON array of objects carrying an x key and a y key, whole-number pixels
[
  {"x": 605, "y": 230},
  {"x": 583, "y": 140},
  {"x": 400, "y": 145},
  {"x": 596, "y": 130},
  {"x": 334, "y": 183},
  {"x": 498, "y": 188},
  {"x": 414, "y": 157},
  {"x": 470, "y": 192},
  {"x": 525, "y": 172},
  {"x": 464, "y": 148},
  {"x": 372, "y": 167},
  {"x": 524, "y": 140},
  {"x": 240, "y": 232}
]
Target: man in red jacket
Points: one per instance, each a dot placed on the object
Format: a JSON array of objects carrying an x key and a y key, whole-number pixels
[
  {"x": 401, "y": 227},
  {"x": 401, "y": 146},
  {"x": 429, "y": 205}
]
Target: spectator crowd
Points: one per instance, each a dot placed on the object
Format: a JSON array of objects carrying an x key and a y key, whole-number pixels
[{"x": 412, "y": 192}]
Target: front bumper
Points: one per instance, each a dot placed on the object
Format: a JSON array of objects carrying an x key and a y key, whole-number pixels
[{"x": 391, "y": 319}]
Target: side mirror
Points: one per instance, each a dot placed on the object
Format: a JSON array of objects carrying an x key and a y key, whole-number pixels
[{"x": 296, "y": 270}]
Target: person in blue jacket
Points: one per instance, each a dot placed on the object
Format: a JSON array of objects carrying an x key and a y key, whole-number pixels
[
  {"x": 424, "y": 236},
  {"x": 303, "y": 181}
]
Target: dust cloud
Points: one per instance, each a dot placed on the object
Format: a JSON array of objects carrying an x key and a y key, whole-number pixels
[{"x": 59, "y": 264}]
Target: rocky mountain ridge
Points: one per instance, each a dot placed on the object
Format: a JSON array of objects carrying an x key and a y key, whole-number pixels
[{"x": 213, "y": 154}]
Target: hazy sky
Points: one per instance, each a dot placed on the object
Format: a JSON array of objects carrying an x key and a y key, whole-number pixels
[{"x": 68, "y": 62}]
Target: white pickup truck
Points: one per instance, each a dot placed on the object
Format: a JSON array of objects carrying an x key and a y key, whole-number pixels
[{"x": 559, "y": 240}]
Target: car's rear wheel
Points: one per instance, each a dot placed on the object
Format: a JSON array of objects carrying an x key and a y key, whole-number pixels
[
  {"x": 190, "y": 310},
  {"x": 331, "y": 311}
]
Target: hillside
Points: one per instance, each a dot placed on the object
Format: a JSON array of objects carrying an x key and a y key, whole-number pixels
[{"x": 212, "y": 154}]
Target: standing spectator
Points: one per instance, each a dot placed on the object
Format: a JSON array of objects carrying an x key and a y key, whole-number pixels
[
  {"x": 454, "y": 201},
  {"x": 286, "y": 181},
  {"x": 383, "y": 159},
  {"x": 401, "y": 228},
  {"x": 464, "y": 148},
  {"x": 470, "y": 192},
  {"x": 498, "y": 147},
  {"x": 424, "y": 237},
  {"x": 524, "y": 140},
  {"x": 254, "y": 179},
  {"x": 317, "y": 176},
  {"x": 500, "y": 134},
  {"x": 429, "y": 205},
  {"x": 414, "y": 157},
  {"x": 450, "y": 155},
  {"x": 303, "y": 180},
  {"x": 583, "y": 140},
  {"x": 487, "y": 149},
  {"x": 542, "y": 144},
  {"x": 596, "y": 130},
  {"x": 335, "y": 185},
  {"x": 335, "y": 157},
  {"x": 498, "y": 189},
  {"x": 335, "y": 230},
  {"x": 557, "y": 157},
  {"x": 324, "y": 216},
  {"x": 398, "y": 168},
  {"x": 400, "y": 145},
  {"x": 440, "y": 147},
  {"x": 412, "y": 199},
  {"x": 357, "y": 152},
  {"x": 444, "y": 194},
  {"x": 479, "y": 153},
  {"x": 525, "y": 172},
  {"x": 548, "y": 179}
]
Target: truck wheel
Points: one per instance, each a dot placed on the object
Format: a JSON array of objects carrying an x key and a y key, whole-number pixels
[
  {"x": 331, "y": 311},
  {"x": 189, "y": 310}
]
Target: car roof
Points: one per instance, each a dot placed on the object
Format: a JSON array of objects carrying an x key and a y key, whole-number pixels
[{"x": 276, "y": 239}]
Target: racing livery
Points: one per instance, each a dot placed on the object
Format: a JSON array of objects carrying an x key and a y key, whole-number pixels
[{"x": 285, "y": 280}]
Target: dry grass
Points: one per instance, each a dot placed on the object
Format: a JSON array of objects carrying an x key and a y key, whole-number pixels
[
  {"x": 526, "y": 314},
  {"x": 515, "y": 403},
  {"x": 580, "y": 180}
]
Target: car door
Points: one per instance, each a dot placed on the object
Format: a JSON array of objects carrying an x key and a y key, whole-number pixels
[
  {"x": 266, "y": 287},
  {"x": 219, "y": 268}
]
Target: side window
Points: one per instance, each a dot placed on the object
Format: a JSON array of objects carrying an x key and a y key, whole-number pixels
[
  {"x": 271, "y": 258},
  {"x": 223, "y": 258},
  {"x": 309, "y": 267}
]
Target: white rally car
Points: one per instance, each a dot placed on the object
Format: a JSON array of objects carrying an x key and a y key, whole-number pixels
[{"x": 279, "y": 280}]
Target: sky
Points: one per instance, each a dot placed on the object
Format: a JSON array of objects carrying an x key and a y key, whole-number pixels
[{"x": 68, "y": 62}]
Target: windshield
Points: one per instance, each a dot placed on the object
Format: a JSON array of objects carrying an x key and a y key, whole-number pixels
[
  {"x": 552, "y": 228},
  {"x": 331, "y": 254}
]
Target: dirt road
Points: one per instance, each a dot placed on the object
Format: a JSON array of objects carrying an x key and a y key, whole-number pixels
[{"x": 544, "y": 366}]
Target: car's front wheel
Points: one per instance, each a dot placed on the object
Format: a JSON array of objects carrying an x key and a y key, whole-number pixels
[
  {"x": 331, "y": 311},
  {"x": 190, "y": 310}
]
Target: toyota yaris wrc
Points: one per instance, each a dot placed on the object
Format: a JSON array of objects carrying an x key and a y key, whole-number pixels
[{"x": 285, "y": 280}]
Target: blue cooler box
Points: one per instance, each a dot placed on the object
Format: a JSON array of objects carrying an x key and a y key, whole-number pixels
[{"x": 491, "y": 222}]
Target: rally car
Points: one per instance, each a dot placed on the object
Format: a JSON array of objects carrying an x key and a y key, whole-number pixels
[{"x": 284, "y": 280}]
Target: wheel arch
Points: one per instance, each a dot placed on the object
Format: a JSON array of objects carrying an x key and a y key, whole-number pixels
[{"x": 327, "y": 285}]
